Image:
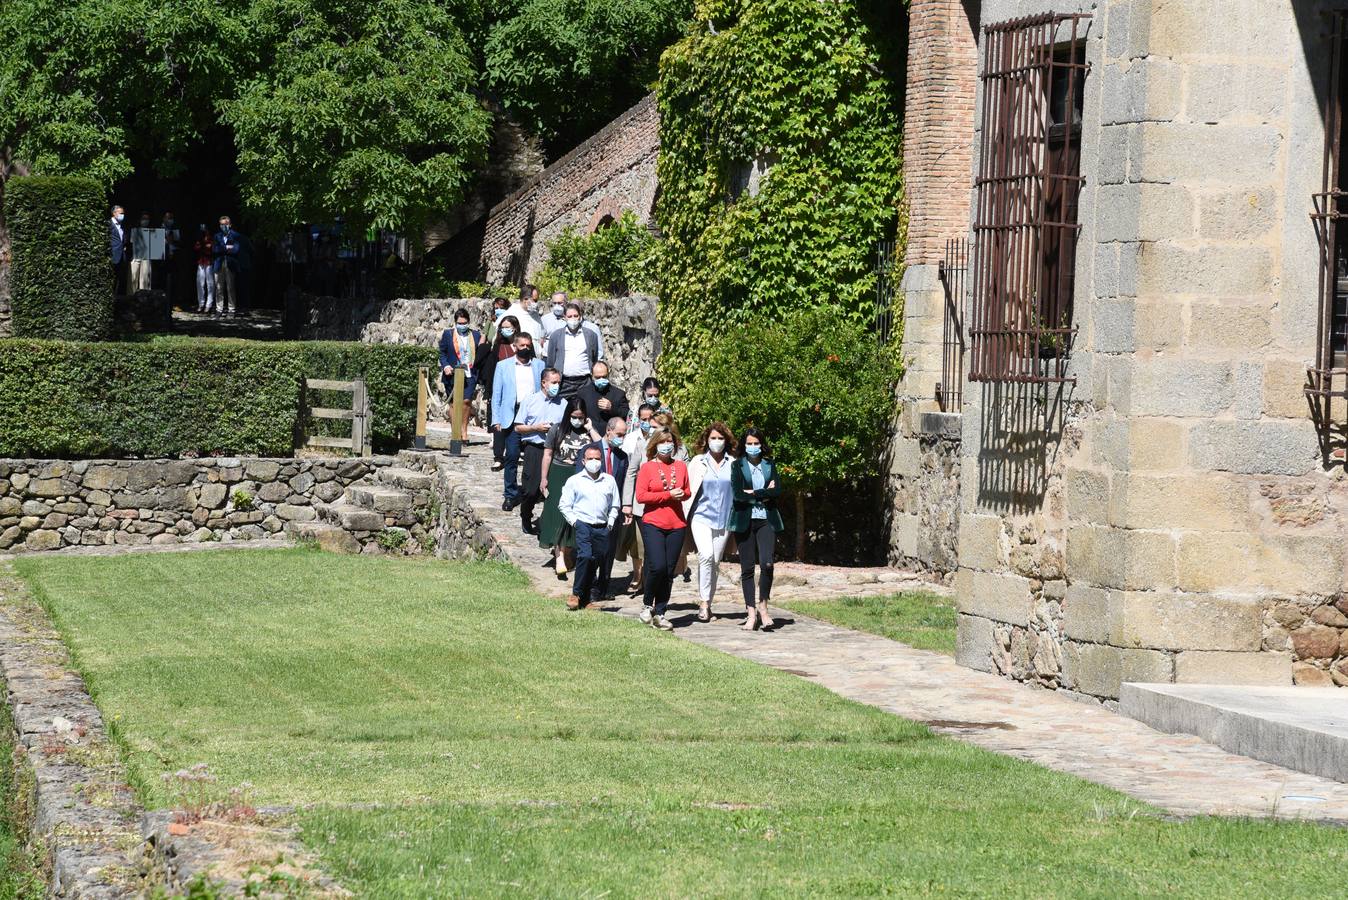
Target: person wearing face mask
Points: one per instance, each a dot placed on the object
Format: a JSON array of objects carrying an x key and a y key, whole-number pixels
[
  {"x": 650, "y": 396},
  {"x": 707, "y": 507},
  {"x": 117, "y": 248},
  {"x": 614, "y": 461},
  {"x": 589, "y": 504},
  {"x": 554, "y": 317},
  {"x": 561, "y": 448},
  {"x": 461, "y": 348},
  {"x": 603, "y": 400},
  {"x": 525, "y": 311},
  {"x": 225, "y": 267},
  {"x": 635, "y": 447},
  {"x": 573, "y": 351},
  {"x": 502, "y": 348},
  {"x": 140, "y": 255},
  {"x": 537, "y": 415},
  {"x": 517, "y": 378},
  {"x": 203, "y": 249},
  {"x": 662, "y": 485},
  {"x": 498, "y": 312},
  {"x": 755, "y": 486}
]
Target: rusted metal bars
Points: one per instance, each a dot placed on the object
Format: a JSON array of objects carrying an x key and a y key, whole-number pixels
[
  {"x": 1025, "y": 229},
  {"x": 1329, "y": 377},
  {"x": 954, "y": 268}
]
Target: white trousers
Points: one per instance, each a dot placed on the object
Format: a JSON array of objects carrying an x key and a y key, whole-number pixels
[
  {"x": 710, "y": 543},
  {"x": 205, "y": 289},
  {"x": 140, "y": 275}
]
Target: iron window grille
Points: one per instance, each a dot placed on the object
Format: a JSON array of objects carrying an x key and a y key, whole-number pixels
[
  {"x": 1029, "y": 180},
  {"x": 954, "y": 267},
  {"x": 1328, "y": 378}
]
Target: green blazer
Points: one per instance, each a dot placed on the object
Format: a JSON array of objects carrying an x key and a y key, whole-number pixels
[{"x": 740, "y": 481}]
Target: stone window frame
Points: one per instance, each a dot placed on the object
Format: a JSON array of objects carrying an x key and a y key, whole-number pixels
[{"x": 1026, "y": 219}]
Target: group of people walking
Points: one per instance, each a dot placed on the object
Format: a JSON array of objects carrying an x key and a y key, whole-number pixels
[{"x": 615, "y": 482}]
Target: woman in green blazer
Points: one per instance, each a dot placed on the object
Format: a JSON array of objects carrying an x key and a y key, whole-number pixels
[{"x": 755, "y": 486}]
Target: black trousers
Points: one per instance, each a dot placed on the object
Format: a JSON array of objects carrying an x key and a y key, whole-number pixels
[
  {"x": 571, "y": 384},
  {"x": 662, "y": 547},
  {"x": 531, "y": 487},
  {"x": 756, "y": 546}
]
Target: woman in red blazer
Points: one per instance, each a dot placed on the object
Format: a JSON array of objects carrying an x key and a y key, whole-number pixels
[{"x": 662, "y": 484}]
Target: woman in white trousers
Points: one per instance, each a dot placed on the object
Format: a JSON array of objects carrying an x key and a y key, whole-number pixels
[{"x": 707, "y": 509}]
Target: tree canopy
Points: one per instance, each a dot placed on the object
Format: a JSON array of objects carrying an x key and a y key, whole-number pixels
[{"x": 372, "y": 110}]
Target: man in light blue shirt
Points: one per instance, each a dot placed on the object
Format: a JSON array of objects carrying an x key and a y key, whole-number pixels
[
  {"x": 539, "y": 412},
  {"x": 590, "y": 501}
]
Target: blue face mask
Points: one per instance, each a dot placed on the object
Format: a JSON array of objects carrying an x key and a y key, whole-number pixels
[
  {"x": 653, "y": 399},
  {"x": 754, "y": 450},
  {"x": 507, "y": 332},
  {"x": 500, "y": 314},
  {"x": 461, "y": 328},
  {"x": 665, "y": 449},
  {"x": 601, "y": 383},
  {"x": 552, "y": 389},
  {"x": 616, "y": 441},
  {"x": 646, "y": 427}
]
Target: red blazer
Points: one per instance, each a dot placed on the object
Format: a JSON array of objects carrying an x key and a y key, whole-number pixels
[{"x": 655, "y": 480}]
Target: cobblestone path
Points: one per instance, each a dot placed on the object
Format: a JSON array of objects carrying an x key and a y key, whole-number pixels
[{"x": 1181, "y": 774}]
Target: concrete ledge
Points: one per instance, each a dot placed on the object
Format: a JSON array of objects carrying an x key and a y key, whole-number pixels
[
  {"x": 945, "y": 425},
  {"x": 1300, "y": 728}
]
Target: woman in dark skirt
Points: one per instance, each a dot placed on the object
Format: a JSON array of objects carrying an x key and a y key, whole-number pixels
[{"x": 563, "y": 445}]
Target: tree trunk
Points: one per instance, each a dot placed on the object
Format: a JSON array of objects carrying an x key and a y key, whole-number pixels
[{"x": 800, "y": 526}]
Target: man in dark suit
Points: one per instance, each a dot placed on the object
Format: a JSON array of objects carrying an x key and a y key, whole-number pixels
[
  {"x": 614, "y": 463},
  {"x": 602, "y": 400},
  {"x": 117, "y": 248}
]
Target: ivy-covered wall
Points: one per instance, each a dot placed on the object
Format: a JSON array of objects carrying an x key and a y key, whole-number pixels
[{"x": 780, "y": 165}]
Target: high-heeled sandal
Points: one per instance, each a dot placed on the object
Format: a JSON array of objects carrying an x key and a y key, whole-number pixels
[{"x": 704, "y": 613}]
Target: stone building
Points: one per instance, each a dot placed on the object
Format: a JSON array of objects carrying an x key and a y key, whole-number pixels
[{"x": 1136, "y": 384}]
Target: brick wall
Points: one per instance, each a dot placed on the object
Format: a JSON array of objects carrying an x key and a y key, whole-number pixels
[
  {"x": 938, "y": 122},
  {"x": 611, "y": 172}
]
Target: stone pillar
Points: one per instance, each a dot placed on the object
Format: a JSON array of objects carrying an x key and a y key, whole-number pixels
[{"x": 942, "y": 74}]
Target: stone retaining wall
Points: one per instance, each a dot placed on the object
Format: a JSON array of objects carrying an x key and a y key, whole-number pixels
[{"x": 49, "y": 504}]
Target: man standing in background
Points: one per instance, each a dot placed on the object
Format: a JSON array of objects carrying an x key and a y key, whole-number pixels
[
  {"x": 224, "y": 263},
  {"x": 117, "y": 249},
  {"x": 140, "y": 255}
]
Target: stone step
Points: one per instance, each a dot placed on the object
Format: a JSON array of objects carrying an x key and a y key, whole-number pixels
[
  {"x": 407, "y": 479},
  {"x": 1301, "y": 728},
  {"x": 332, "y": 538},
  {"x": 349, "y": 516},
  {"x": 383, "y": 498}
]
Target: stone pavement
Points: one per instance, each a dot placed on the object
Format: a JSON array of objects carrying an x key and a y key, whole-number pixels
[{"x": 1179, "y": 773}]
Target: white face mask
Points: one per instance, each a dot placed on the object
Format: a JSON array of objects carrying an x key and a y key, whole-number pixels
[
  {"x": 664, "y": 449},
  {"x": 592, "y": 466},
  {"x": 573, "y": 325},
  {"x": 716, "y": 445},
  {"x": 558, "y": 309},
  {"x": 577, "y": 423}
]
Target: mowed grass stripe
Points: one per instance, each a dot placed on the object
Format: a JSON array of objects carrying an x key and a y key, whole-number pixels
[{"x": 514, "y": 747}]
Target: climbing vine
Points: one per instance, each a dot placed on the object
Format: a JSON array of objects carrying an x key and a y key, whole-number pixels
[{"x": 780, "y": 165}]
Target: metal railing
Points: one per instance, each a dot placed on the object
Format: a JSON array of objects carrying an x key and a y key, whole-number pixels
[{"x": 953, "y": 269}]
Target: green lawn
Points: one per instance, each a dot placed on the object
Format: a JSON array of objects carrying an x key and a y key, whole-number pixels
[
  {"x": 516, "y": 748},
  {"x": 919, "y": 619}
]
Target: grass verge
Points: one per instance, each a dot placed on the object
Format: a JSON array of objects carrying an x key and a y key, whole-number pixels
[
  {"x": 511, "y": 747},
  {"x": 919, "y": 619}
]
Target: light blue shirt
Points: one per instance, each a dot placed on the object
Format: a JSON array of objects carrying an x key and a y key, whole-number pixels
[
  {"x": 538, "y": 408},
  {"x": 758, "y": 510},
  {"x": 594, "y": 501},
  {"x": 713, "y": 505}
]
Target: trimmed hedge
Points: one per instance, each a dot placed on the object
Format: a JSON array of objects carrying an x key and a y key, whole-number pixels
[
  {"x": 61, "y": 274},
  {"x": 175, "y": 396}
]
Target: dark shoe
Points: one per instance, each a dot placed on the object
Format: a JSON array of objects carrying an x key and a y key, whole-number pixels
[
  {"x": 528, "y": 527},
  {"x": 505, "y": 506}
]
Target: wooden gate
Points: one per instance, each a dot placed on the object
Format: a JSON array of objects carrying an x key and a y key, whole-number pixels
[{"x": 358, "y": 414}]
